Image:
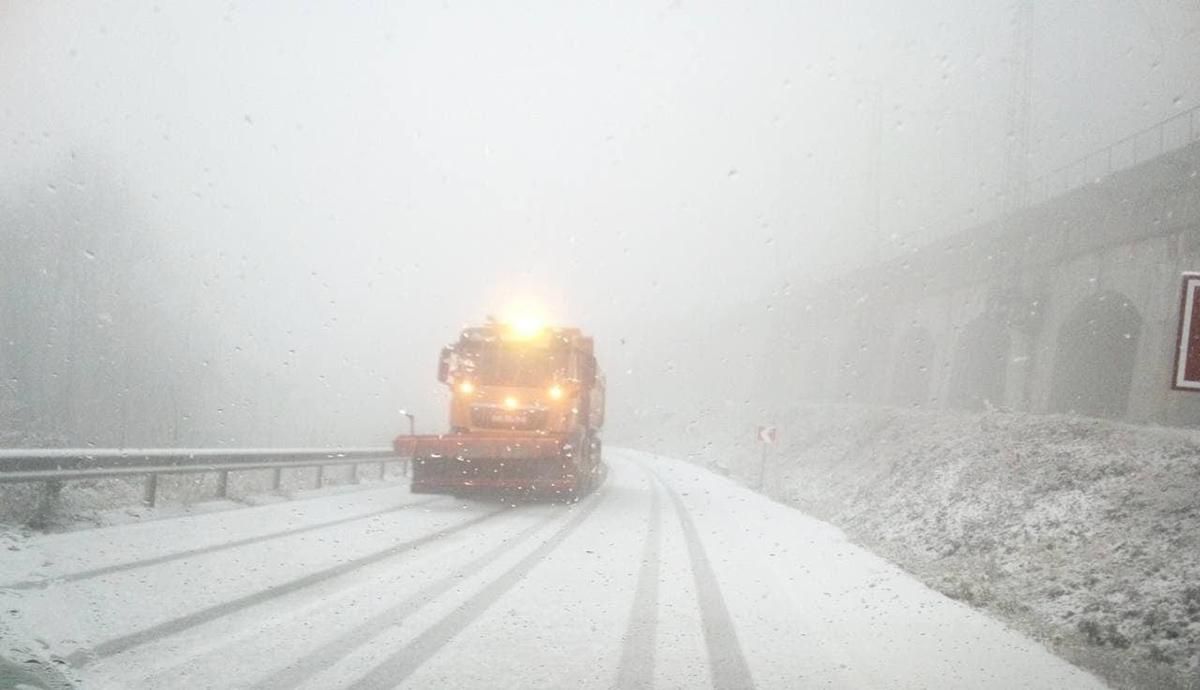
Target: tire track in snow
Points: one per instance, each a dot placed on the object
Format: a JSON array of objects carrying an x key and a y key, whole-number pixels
[
  {"x": 403, "y": 663},
  {"x": 326, "y": 656},
  {"x": 725, "y": 659},
  {"x": 167, "y": 558},
  {"x": 637, "y": 654},
  {"x": 81, "y": 658}
]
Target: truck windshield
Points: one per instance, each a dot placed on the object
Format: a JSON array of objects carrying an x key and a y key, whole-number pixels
[{"x": 514, "y": 365}]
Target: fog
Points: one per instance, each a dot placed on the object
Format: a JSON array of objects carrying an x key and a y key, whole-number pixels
[{"x": 257, "y": 223}]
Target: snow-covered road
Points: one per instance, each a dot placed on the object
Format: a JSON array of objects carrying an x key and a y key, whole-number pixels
[{"x": 667, "y": 576}]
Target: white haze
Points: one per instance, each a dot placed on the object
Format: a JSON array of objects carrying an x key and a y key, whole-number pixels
[{"x": 334, "y": 188}]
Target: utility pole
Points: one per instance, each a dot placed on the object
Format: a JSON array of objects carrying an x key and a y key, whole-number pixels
[
  {"x": 875, "y": 173},
  {"x": 877, "y": 193},
  {"x": 1016, "y": 171}
]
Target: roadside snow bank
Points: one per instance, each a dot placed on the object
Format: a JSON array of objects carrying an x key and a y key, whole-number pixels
[{"x": 1082, "y": 532}]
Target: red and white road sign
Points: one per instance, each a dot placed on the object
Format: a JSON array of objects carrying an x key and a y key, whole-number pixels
[
  {"x": 1187, "y": 350},
  {"x": 766, "y": 434}
]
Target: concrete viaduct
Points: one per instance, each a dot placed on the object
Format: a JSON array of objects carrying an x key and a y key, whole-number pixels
[{"x": 1070, "y": 305}]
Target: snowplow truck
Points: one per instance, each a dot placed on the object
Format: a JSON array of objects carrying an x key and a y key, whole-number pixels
[{"x": 526, "y": 410}]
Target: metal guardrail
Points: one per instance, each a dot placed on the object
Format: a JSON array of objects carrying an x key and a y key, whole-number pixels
[
  {"x": 53, "y": 466},
  {"x": 1175, "y": 132}
]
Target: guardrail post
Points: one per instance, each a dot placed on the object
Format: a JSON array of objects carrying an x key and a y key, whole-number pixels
[
  {"x": 46, "y": 505},
  {"x": 382, "y": 470},
  {"x": 276, "y": 478},
  {"x": 150, "y": 490},
  {"x": 320, "y": 476},
  {"x": 354, "y": 473},
  {"x": 223, "y": 484}
]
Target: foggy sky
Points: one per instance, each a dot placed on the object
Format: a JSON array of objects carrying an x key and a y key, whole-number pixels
[{"x": 338, "y": 187}]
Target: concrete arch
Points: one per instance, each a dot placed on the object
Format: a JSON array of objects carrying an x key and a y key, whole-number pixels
[
  {"x": 912, "y": 366},
  {"x": 1096, "y": 349},
  {"x": 846, "y": 351},
  {"x": 980, "y": 374},
  {"x": 862, "y": 362},
  {"x": 814, "y": 365}
]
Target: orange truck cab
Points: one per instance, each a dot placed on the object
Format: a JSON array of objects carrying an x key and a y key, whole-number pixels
[{"x": 526, "y": 410}]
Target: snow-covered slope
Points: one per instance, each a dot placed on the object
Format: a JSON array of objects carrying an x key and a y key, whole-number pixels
[{"x": 1083, "y": 532}]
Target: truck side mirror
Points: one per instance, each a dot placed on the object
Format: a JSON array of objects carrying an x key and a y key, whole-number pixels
[
  {"x": 444, "y": 365},
  {"x": 589, "y": 371}
]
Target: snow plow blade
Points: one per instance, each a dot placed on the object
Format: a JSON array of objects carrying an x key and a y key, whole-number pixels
[{"x": 478, "y": 464}]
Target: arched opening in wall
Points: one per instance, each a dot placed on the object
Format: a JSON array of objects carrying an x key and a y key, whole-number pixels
[
  {"x": 846, "y": 362},
  {"x": 881, "y": 346},
  {"x": 911, "y": 370},
  {"x": 1095, "y": 355},
  {"x": 810, "y": 359},
  {"x": 836, "y": 339},
  {"x": 799, "y": 360},
  {"x": 862, "y": 366},
  {"x": 980, "y": 365},
  {"x": 778, "y": 371}
]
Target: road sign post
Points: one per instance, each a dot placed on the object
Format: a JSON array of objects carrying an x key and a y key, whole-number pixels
[
  {"x": 766, "y": 437},
  {"x": 1187, "y": 348}
]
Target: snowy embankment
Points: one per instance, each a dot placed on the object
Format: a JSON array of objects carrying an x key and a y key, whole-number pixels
[{"x": 1083, "y": 532}]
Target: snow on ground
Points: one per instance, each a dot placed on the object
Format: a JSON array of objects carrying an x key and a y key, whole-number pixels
[
  {"x": 668, "y": 576},
  {"x": 1083, "y": 532}
]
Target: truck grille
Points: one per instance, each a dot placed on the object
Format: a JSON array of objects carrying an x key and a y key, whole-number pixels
[{"x": 527, "y": 419}]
